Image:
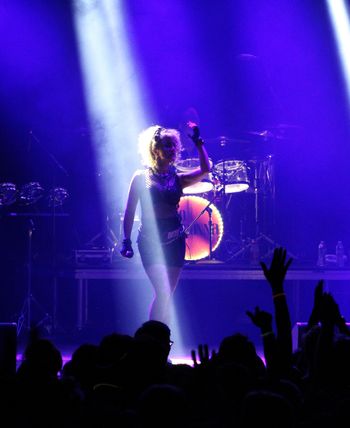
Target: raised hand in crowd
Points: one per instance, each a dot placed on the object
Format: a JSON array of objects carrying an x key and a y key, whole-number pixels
[
  {"x": 275, "y": 276},
  {"x": 276, "y": 273},
  {"x": 324, "y": 323},
  {"x": 330, "y": 314},
  {"x": 263, "y": 320},
  {"x": 203, "y": 357},
  {"x": 314, "y": 318},
  {"x": 329, "y": 311}
]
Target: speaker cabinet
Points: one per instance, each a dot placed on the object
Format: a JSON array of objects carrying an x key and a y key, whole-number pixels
[{"x": 8, "y": 348}]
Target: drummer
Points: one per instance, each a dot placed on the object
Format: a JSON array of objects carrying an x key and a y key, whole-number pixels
[{"x": 162, "y": 258}]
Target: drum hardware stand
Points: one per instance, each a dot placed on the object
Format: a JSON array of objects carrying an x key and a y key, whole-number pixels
[
  {"x": 259, "y": 235},
  {"x": 100, "y": 250},
  {"x": 222, "y": 190},
  {"x": 107, "y": 235},
  {"x": 25, "y": 317},
  {"x": 253, "y": 242},
  {"x": 223, "y": 182}
]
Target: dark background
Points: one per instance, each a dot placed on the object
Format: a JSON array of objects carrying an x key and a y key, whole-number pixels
[{"x": 244, "y": 66}]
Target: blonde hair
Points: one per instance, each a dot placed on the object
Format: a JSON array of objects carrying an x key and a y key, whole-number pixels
[{"x": 150, "y": 137}]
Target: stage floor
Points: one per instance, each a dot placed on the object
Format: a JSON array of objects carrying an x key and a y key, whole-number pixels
[
  {"x": 205, "y": 283},
  {"x": 210, "y": 270},
  {"x": 210, "y": 301}
]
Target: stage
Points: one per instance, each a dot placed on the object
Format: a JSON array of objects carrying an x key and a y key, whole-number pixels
[{"x": 207, "y": 276}]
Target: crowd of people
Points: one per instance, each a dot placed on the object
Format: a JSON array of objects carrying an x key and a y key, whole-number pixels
[{"x": 129, "y": 381}]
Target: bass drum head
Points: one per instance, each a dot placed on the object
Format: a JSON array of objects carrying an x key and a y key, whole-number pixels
[{"x": 197, "y": 242}]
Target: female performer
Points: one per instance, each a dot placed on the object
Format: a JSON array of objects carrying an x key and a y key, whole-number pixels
[{"x": 161, "y": 237}]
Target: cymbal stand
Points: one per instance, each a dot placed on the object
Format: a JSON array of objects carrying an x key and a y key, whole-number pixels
[
  {"x": 258, "y": 234},
  {"x": 256, "y": 202},
  {"x": 223, "y": 183},
  {"x": 33, "y": 138},
  {"x": 253, "y": 243},
  {"x": 224, "y": 199},
  {"x": 25, "y": 317}
]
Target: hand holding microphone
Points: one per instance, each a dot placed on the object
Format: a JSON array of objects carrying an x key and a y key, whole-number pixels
[{"x": 126, "y": 250}]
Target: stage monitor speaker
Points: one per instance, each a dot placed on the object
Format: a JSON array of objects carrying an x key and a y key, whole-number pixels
[{"x": 8, "y": 348}]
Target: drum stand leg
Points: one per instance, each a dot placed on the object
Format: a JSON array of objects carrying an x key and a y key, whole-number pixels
[
  {"x": 274, "y": 244},
  {"x": 105, "y": 237},
  {"x": 252, "y": 246},
  {"x": 259, "y": 236}
]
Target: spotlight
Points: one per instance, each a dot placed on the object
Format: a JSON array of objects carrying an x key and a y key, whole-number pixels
[
  {"x": 30, "y": 193},
  {"x": 57, "y": 196},
  {"x": 340, "y": 18},
  {"x": 8, "y": 193}
]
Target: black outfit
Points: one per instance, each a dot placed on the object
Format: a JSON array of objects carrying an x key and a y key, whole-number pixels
[{"x": 161, "y": 240}]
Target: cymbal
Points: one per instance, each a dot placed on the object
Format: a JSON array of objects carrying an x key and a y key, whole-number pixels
[
  {"x": 282, "y": 131},
  {"x": 223, "y": 140},
  {"x": 265, "y": 135}
]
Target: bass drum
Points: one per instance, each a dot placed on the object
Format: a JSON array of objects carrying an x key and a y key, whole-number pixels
[{"x": 197, "y": 242}]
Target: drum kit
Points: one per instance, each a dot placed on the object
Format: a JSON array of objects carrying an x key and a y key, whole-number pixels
[{"x": 205, "y": 207}]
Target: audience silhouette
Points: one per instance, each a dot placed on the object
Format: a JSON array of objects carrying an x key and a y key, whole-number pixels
[{"x": 129, "y": 381}]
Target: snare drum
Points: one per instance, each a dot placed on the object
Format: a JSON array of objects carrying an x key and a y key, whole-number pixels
[{"x": 187, "y": 165}]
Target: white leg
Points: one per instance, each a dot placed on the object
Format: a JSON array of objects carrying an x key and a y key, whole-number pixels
[{"x": 164, "y": 281}]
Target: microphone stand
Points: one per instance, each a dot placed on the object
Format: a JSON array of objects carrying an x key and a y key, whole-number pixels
[
  {"x": 210, "y": 224},
  {"x": 54, "y": 215},
  {"x": 25, "y": 317}
]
